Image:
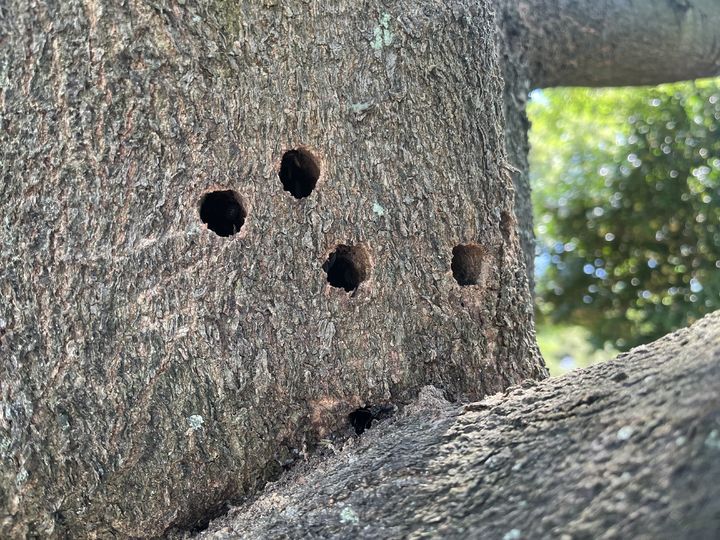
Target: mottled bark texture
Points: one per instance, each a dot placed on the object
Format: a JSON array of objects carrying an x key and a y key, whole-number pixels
[
  {"x": 516, "y": 91},
  {"x": 595, "y": 43},
  {"x": 625, "y": 449},
  {"x": 153, "y": 370}
]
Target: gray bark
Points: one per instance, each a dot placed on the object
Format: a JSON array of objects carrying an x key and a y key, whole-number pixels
[
  {"x": 616, "y": 42},
  {"x": 153, "y": 370},
  {"x": 625, "y": 449}
]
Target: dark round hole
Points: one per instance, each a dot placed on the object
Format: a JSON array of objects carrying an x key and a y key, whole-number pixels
[
  {"x": 467, "y": 263},
  {"x": 347, "y": 267},
  {"x": 299, "y": 172},
  {"x": 361, "y": 419},
  {"x": 223, "y": 212}
]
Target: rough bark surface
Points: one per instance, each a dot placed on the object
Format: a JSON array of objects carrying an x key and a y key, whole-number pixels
[
  {"x": 517, "y": 125},
  {"x": 625, "y": 449},
  {"x": 152, "y": 370}
]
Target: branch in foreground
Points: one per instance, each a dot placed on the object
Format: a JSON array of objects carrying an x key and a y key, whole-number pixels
[
  {"x": 625, "y": 449},
  {"x": 615, "y": 42}
]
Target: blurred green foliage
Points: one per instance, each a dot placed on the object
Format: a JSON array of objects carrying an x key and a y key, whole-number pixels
[
  {"x": 627, "y": 208},
  {"x": 569, "y": 347}
]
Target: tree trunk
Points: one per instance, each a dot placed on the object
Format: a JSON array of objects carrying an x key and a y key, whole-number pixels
[
  {"x": 615, "y": 42},
  {"x": 227, "y": 225},
  {"x": 155, "y": 369},
  {"x": 625, "y": 449}
]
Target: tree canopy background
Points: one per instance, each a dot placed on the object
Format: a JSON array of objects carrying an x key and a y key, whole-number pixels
[{"x": 626, "y": 188}]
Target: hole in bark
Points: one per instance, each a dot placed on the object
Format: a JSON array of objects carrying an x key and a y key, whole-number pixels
[
  {"x": 347, "y": 267},
  {"x": 299, "y": 172},
  {"x": 199, "y": 520},
  {"x": 362, "y": 418},
  {"x": 223, "y": 212},
  {"x": 467, "y": 263}
]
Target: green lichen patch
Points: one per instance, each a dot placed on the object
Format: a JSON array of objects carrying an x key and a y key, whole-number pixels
[{"x": 382, "y": 35}]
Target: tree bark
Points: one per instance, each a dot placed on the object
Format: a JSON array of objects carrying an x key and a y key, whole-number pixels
[
  {"x": 625, "y": 449},
  {"x": 154, "y": 370},
  {"x": 616, "y": 42}
]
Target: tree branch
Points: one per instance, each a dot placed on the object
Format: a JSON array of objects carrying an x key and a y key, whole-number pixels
[
  {"x": 615, "y": 42},
  {"x": 628, "y": 448}
]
